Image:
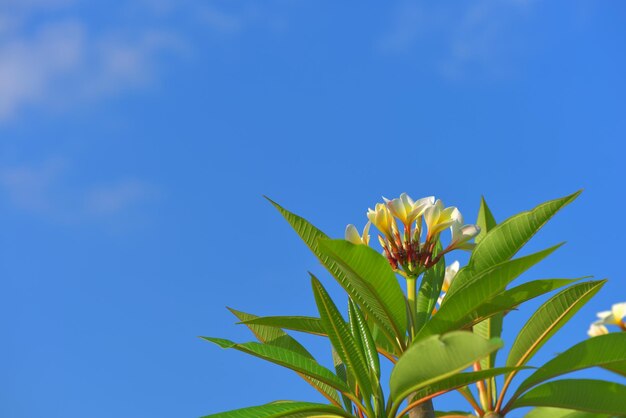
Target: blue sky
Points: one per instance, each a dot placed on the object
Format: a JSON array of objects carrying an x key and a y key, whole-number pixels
[{"x": 137, "y": 140}]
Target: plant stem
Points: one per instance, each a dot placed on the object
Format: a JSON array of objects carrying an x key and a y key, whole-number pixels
[
  {"x": 482, "y": 391},
  {"x": 467, "y": 394},
  {"x": 423, "y": 410},
  {"x": 411, "y": 290}
]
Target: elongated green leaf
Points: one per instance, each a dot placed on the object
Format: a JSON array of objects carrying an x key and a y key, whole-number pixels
[
  {"x": 271, "y": 334},
  {"x": 512, "y": 298},
  {"x": 598, "y": 351},
  {"x": 276, "y": 336},
  {"x": 580, "y": 394},
  {"x": 308, "y": 324},
  {"x": 312, "y": 325},
  {"x": 619, "y": 368},
  {"x": 286, "y": 358},
  {"x": 358, "y": 291},
  {"x": 342, "y": 373},
  {"x": 486, "y": 222},
  {"x": 341, "y": 338},
  {"x": 548, "y": 319},
  {"x": 509, "y": 268},
  {"x": 460, "y": 379},
  {"x": 492, "y": 326},
  {"x": 455, "y": 308},
  {"x": 284, "y": 409},
  {"x": 382, "y": 342},
  {"x": 371, "y": 282},
  {"x": 430, "y": 289},
  {"x": 506, "y": 239},
  {"x": 549, "y": 412},
  {"x": 436, "y": 358},
  {"x": 364, "y": 336}
]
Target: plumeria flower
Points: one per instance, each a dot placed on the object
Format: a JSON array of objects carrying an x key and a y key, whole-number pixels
[
  {"x": 596, "y": 329},
  {"x": 613, "y": 317},
  {"x": 449, "y": 275},
  {"x": 438, "y": 218},
  {"x": 402, "y": 242},
  {"x": 382, "y": 219},
  {"x": 407, "y": 210},
  {"x": 352, "y": 234},
  {"x": 461, "y": 233}
]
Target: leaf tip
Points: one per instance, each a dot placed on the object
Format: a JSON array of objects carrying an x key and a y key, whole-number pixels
[
  {"x": 575, "y": 195},
  {"x": 276, "y": 205},
  {"x": 314, "y": 280}
]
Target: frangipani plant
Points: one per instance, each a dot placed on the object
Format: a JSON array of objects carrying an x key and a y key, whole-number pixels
[
  {"x": 429, "y": 338},
  {"x": 616, "y": 316}
]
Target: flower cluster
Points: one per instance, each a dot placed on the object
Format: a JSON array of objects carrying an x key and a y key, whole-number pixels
[
  {"x": 616, "y": 316},
  {"x": 411, "y": 247}
]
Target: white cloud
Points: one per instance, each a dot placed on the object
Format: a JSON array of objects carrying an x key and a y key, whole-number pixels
[
  {"x": 458, "y": 39},
  {"x": 49, "y": 190},
  {"x": 31, "y": 188},
  {"x": 408, "y": 23},
  {"x": 52, "y": 57},
  {"x": 228, "y": 18},
  {"x": 30, "y": 67},
  {"x": 60, "y": 61},
  {"x": 115, "y": 198},
  {"x": 220, "y": 21}
]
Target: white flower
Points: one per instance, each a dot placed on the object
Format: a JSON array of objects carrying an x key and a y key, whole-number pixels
[
  {"x": 462, "y": 233},
  {"x": 613, "y": 317},
  {"x": 451, "y": 271},
  {"x": 407, "y": 210},
  {"x": 449, "y": 275},
  {"x": 596, "y": 329},
  {"x": 352, "y": 234},
  {"x": 438, "y": 218},
  {"x": 381, "y": 217}
]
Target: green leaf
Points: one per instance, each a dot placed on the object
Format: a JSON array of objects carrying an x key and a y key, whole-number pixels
[
  {"x": 341, "y": 338},
  {"x": 548, "y": 319},
  {"x": 511, "y": 269},
  {"x": 506, "y": 239},
  {"x": 308, "y": 324},
  {"x": 619, "y": 368},
  {"x": 286, "y": 358},
  {"x": 459, "y": 380},
  {"x": 512, "y": 298},
  {"x": 362, "y": 333},
  {"x": 485, "y": 220},
  {"x": 358, "y": 291},
  {"x": 270, "y": 334},
  {"x": 284, "y": 409},
  {"x": 457, "y": 307},
  {"x": 382, "y": 343},
  {"x": 430, "y": 289},
  {"x": 602, "y": 350},
  {"x": 490, "y": 327},
  {"x": 342, "y": 373},
  {"x": 446, "y": 355},
  {"x": 371, "y": 282},
  {"x": 549, "y": 412},
  {"x": 580, "y": 394},
  {"x": 312, "y": 325},
  {"x": 276, "y": 336}
]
